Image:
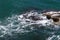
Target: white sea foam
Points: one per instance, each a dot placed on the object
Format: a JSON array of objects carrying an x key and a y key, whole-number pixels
[
  {"x": 19, "y": 23},
  {"x": 54, "y": 37}
]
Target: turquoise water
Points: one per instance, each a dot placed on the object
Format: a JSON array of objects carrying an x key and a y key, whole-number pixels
[
  {"x": 8, "y": 7},
  {"x": 11, "y": 7}
]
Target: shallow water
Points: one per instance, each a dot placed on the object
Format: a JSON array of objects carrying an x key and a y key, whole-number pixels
[{"x": 16, "y": 7}]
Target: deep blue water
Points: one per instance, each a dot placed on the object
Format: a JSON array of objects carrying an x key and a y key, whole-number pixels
[{"x": 10, "y": 7}]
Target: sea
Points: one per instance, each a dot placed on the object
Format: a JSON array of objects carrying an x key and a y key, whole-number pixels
[{"x": 9, "y": 9}]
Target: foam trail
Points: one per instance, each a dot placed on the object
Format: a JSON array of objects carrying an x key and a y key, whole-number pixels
[
  {"x": 54, "y": 37},
  {"x": 19, "y": 23},
  {"x": 3, "y": 27}
]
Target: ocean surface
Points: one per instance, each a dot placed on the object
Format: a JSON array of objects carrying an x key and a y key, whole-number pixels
[{"x": 9, "y": 8}]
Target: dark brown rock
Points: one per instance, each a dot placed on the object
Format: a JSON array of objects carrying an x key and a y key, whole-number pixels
[{"x": 55, "y": 19}]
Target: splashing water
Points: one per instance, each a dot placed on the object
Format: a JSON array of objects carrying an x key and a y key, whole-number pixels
[
  {"x": 26, "y": 23},
  {"x": 54, "y": 37}
]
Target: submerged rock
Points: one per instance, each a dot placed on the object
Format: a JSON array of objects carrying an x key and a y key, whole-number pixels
[{"x": 55, "y": 16}]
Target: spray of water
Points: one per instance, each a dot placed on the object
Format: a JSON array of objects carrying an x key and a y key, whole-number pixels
[{"x": 25, "y": 23}]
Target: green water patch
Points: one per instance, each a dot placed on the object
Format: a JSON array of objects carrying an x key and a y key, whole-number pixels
[{"x": 10, "y": 7}]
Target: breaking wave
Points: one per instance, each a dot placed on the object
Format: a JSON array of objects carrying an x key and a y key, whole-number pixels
[{"x": 23, "y": 24}]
